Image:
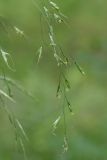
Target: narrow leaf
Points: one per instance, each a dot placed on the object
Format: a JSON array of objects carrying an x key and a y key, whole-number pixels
[
  {"x": 39, "y": 54},
  {"x": 54, "y": 5},
  {"x": 6, "y": 95},
  {"x": 18, "y": 31},
  {"x": 22, "y": 130},
  {"x": 79, "y": 68},
  {"x": 58, "y": 93},
  {"x": 6, "y": 57},
  {"x": 55, "y": 123}
]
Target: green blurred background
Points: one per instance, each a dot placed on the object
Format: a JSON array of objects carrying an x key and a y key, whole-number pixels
[{"x": 85, "y": 39}]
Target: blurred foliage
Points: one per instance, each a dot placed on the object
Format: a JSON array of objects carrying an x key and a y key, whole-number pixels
[{"x": 85, "y": 38}]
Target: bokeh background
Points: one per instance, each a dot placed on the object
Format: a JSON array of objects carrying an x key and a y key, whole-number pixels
[{"x": 85, "y": 38}]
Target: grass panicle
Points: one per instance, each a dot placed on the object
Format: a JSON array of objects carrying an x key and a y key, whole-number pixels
[{"x": 50, "y": 12}]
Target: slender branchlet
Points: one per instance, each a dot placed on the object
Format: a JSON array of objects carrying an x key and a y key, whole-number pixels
[{"x": 51, "y": 13}]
